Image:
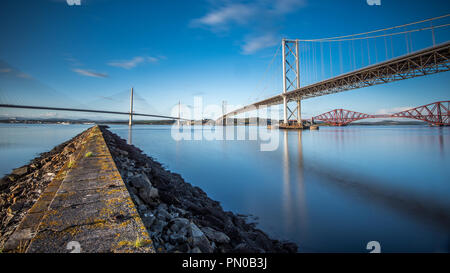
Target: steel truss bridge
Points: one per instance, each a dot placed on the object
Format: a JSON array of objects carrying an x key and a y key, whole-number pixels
[{"x": 437, "y": 113}]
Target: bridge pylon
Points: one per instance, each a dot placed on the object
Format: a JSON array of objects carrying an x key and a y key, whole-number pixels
[
  {"x": 130, "y": 121},
  {"x": 291, "y": 80}
]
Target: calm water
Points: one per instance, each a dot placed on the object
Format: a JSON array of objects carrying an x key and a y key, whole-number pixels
[{"x": 332, "y": 190}]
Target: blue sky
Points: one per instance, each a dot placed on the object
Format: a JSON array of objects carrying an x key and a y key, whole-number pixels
[{"x": 175, "y": 50}]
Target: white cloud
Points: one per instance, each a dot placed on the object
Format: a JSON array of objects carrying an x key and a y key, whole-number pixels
[
  {"x": 73, "y": 61},
  {"x": 256, "y": 16},
  {"x": 393, "y": 110},
  {"x": 128, "y": 64},
  {"x": 90, "y": 73},
  {"x": 256, "y": 43},
  {"x": 237, "y": 13}
]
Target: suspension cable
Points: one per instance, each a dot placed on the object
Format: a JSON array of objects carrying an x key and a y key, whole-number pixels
[{"x": 374, "y": 31}]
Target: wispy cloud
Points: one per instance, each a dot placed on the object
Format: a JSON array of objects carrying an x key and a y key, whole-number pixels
[
  {"x": 254, "y": 44},
  {"x": 73, "y": 61},
  {"x": 232, "y": 13},
  {"x": 393, "y": 110},
  {"x": 128, "y": 64},
  {"x": 5, "y": 70},
  {"x": 256, "y": 17},
  {"x": 90, "y": 73}
]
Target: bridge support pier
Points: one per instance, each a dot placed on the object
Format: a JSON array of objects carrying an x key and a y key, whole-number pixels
[{"x": 299, "y": 112}]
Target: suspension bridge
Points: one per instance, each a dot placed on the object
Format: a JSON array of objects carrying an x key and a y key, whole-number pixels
[{"x": 311, "y": 60}]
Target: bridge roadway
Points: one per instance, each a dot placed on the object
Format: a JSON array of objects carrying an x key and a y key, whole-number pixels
[
  {"x": 420, "y": 63},
  {"x": 85, "y": 110}
]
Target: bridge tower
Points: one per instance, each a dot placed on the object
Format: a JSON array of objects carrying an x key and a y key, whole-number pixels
[
  {"x": 291, "y": 79},
  {"x": 224, "y": 112},
  {"x": 130, "y": 121},
  {"x": 179, "y": 113}
]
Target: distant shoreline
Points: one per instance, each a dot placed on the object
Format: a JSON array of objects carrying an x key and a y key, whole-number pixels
[{"x": 171, "y": 122}]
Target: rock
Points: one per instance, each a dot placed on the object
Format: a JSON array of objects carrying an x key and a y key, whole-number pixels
[
  {"x": 20, "y": 171},
  {"x": 142, "y": 207},
  {"x": 148, "y": 194},
  {"x": 4, "y": 182},
  {"x": 16, "y": 207},
  {"x": 177, "y": 239},
  {"x": 181, "y": 212},
  {"x": 196, "y": 250},
  {"x": 158, "y": 226},
  {"x": 245, "y": 248},
  {"x": 69, "y": 148},
  {"x": 215, "y": 236},
  {"x": 199, "y": 239},
  {"x": 263, "y": 241},
  {"x": 140, "y": 181},
  {"x": 162, "y": 214},
  {"x": 179, "y": 225},
  {"x": 290, "y": 247}
]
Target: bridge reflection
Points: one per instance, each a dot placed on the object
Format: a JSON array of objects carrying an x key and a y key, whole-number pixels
[{"x": 294, "y": 189}]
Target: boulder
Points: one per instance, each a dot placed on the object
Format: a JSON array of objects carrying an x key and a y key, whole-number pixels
[
  {"x": 148, "y": 194},
  {"x": 179, "y": 225},
  {"x": 158, "y": 226},
  {"x": 199, "y": 239},
  {"x": 20, "y": 171},
  {"x": 215, "y": 236},
  {"x": 162, "y": 214},
  {"x": 148, "y": 219},
  {"x": 140, "y": 181}
]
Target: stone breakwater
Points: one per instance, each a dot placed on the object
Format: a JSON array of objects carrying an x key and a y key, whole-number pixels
[
  {"x": 177, "y": 216},
  {"x": 20, "y": 190},
  {"x": 180, "y": 217}
]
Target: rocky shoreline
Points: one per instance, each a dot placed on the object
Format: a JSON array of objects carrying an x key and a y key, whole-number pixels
[
  {"x": 181, "y": 217},
  {"x": 178, "y": 216},
  {"x": 20, "y": 189}
]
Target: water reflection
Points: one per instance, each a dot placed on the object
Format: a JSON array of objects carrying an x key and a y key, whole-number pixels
[
  {"x": 303, "y": 216},
  {"x": 441, "y": 142},
  {"x": 422, "y": 208},
  {"x": 293, "y": 187},
  {"x": 286, "y": 185},
  {"x": 130, "y": 135}
]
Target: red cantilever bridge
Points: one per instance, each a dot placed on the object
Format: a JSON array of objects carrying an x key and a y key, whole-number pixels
[{"x": 437, "y": 113}]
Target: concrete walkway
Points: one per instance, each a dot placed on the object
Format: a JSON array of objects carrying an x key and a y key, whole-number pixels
[{"x": 86, "y": 208}]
